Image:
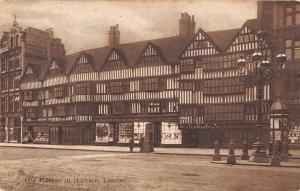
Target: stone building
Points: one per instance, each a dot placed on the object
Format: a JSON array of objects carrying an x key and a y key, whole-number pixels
[{"x": 18, "y": 49}]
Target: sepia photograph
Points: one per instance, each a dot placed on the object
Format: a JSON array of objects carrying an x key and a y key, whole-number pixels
[{"x": 149, "y": 95}]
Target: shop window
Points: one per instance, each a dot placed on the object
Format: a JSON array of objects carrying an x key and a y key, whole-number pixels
[
  {"x": 125, "y": 132},
  {"x": 170, "y": 133},
  {"x": 139, "y": 130},
  {"x": 104, "y": 132}
]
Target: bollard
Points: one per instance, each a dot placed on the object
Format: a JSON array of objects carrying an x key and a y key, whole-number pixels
[
  {"x": 216, "y": 156},
  {"x": 284, "y": 151},
  {"x": 275, "y": 160},
  {"x": 231, "y": 158},
  {"x": 271, "y": 148},
  {"x": 245, "y": 155}
]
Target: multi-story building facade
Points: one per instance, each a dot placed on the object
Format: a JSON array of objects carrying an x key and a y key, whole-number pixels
[
  {"x": 282, "y": 21},
  {"x": 19, "y": 48},
  {"x": 187, "y": 87},
  {"x": 215, "y": 103}
]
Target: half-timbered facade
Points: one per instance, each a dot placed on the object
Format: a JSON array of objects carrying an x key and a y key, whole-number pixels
[
  {"x": 187, "y": 87},
  {"x": 215, "y": 103}
]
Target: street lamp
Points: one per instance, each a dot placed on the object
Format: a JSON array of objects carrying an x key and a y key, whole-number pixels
[{"x": 257, "y": 76}]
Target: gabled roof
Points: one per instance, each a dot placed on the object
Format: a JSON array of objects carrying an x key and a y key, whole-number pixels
[
  {"x": 223, "y": 38},
  {"x": 171, "y": 47},
  {"x": 156, "y": 48},
  {"x": 98, "y": 55},
  {"x": 100, "y": 67},
  {"x": 45, "y": 67},
  {"x": 36, "y": 71}
]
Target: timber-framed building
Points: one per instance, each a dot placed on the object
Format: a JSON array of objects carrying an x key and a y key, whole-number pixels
[{"x": 186, "y": 86}]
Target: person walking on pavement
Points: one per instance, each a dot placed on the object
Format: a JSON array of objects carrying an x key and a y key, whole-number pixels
[
  {"x": 131, "y": 144},
  {"x": 141, "y": 143}
]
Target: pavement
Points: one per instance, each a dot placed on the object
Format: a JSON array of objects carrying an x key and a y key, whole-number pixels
[{"x": 295, "y": 154}]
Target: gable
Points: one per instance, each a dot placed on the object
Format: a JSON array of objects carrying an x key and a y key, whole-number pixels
[
  {"x": 151, "y": 56},
  {"x": 82, "y": 59},
  {"x": 83, "y": 64},
  {"x": 246, "y": 40},
  {"x": 53, "y": 66},
  {"x": 114, "y": 61},
  {"x": 29, "y": 71},
  {"x": 29, "y": 75},
  {"x": 55, "y": 69},
  {"x": 200, "y": 46},
  {"x": 150, "y": 51}
]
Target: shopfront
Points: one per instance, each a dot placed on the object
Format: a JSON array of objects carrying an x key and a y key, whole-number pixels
[
  {"x": 170, "y": 134},
  {"x": 165, "y": 133}
]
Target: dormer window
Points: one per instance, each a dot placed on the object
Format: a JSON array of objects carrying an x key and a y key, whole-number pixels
[
  {"x": 151, "y": 56},
  {"x": 55, "y": 70},
  {"x": 82, "y": 65},
  {"x": 114, "y": 62}
]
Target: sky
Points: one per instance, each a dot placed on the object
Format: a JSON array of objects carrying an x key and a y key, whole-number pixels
[{"x": 84, "y": 24}]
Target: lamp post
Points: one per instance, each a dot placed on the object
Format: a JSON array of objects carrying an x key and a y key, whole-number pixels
[{"x": 258, "y": 75}]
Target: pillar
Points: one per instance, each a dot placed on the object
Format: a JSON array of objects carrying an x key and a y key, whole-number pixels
[
  {"x": 245, "y": 155},
  {"x": 216, "y": 156},
  {"x": 231, "y": 157}
]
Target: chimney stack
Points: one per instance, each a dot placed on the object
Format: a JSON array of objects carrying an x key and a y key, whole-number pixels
[
  {"x": 114, "y": 36},
  {"x": 187, "y": 24}
]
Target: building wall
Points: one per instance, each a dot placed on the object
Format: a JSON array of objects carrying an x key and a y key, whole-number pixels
[
  {"x": 19, "y": 48},
  {"x": 194, "y": 102},
  {"x": 283, "y": 23}
]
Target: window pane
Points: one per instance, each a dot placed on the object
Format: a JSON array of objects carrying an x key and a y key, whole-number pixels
[
  {"x": 288, "y": 43},
  {"x": 297, "y": 53},
  {"x": 297, "y": 19},
  {"x": 289, "y": 20},
  {"x": 297, "y": 43},
  {"x": 288, "y": 53}
]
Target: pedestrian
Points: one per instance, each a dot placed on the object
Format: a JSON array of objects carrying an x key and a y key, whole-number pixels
[
  {"x": 141, "y": 143},
  {"x": 131, "y": 144}
]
